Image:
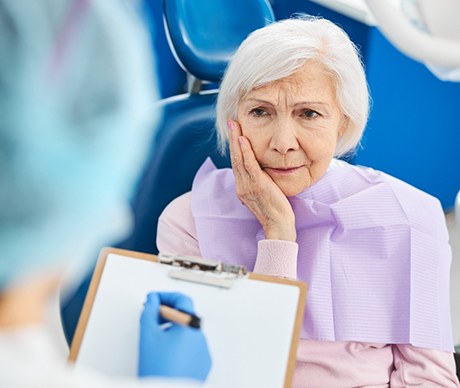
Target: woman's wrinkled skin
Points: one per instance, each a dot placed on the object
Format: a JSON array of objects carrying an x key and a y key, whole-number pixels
[{"x": 283, "y": 142}]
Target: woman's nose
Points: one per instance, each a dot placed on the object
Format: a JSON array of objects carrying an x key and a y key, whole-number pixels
[{"x": 284, "y": 138}]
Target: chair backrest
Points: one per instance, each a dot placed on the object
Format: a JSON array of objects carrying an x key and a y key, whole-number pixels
[
  {"x": 203, "y": 35},
  {"x": 185, "y": 138}
]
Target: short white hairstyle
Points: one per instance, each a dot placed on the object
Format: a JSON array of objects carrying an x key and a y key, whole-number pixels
[{"x": 279, "y": 50}]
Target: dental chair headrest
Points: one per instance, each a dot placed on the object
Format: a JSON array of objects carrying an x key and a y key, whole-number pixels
[{"x": 203, "y": 34}]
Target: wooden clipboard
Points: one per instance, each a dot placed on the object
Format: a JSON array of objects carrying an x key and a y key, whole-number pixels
[{"x": 262, "y": 313}]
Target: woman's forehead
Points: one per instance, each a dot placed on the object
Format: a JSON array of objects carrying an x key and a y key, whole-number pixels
[{"x": 309, "y": 82}]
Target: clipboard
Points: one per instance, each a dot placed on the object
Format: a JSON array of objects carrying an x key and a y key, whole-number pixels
[{"x": 252, "y": 322}]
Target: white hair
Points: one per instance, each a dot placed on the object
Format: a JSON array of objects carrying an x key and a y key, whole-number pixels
[{"x": 279, "y": 50}]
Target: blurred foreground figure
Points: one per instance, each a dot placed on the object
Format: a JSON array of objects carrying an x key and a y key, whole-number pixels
[{"x": 75, "y": 92}]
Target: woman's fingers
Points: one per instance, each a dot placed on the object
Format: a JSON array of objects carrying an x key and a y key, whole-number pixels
[
  {"x": 234, "y": 132},
  {"x": 249, "y": 161},
  {"x": 257, "y": 191},
  {"x": 252, "y": 184},
  {"x": 242, "y": 162}
]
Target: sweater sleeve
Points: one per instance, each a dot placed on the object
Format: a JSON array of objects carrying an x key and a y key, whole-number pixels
[
  {"x": 277, "y": 258},
  {"x": 414, "y": 366},
  {"x": 177, "y": 234},
  {"x": 176, "y": 229}
]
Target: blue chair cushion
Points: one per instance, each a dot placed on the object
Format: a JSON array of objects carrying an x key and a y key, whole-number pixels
[
  {"x": 184, "y": 139},
  {"x": 204, "y": 33}
]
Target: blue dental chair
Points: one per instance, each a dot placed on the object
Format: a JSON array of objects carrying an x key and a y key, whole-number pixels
[{"x": 203, "y": 35}]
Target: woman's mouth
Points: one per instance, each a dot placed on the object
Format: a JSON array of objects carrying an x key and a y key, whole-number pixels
[{"x": 282, "y": 170}]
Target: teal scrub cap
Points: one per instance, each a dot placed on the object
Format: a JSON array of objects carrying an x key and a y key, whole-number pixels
[{"x": 76, "y": 94}]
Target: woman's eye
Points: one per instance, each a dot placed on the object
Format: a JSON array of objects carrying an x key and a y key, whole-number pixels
[
  {"x": 258, "y": 112},
  {"x": 310, "y": 114}
]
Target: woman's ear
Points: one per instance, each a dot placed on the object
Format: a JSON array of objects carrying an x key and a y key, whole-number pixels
[{"x": 343, "y": 126}]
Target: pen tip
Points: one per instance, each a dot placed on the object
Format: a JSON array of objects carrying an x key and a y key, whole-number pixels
[{"x": 195, "y": 322}]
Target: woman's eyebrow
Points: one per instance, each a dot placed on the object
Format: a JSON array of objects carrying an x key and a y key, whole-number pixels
[
  {"x": 261, "y": 101},
  {"x": 324, "y": 104},
  {"x": 258, "y": 101}
]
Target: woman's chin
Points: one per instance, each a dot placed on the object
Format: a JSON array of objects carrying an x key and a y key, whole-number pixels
[{"x": 291, "y": 190}]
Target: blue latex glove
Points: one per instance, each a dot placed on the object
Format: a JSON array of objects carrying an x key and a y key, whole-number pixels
[{"x": 178, "y": 351}]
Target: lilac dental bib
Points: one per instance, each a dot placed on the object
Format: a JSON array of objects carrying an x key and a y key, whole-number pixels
[{"x": 373, "y": 250}]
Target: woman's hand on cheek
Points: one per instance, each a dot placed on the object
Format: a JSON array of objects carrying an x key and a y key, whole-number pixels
[{"x": 257, "y": 191}]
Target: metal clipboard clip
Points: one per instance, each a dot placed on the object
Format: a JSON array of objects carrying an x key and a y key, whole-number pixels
[{"x": 203, "y": 271}]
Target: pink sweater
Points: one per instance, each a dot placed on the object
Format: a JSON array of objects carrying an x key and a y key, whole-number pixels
[{"x": 321, "y": 363}]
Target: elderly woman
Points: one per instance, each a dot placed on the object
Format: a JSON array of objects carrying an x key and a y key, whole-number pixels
[{"x": 373, "y": 250}]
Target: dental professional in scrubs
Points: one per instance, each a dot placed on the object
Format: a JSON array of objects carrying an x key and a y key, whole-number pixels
[{"x": 76, "y": 90}]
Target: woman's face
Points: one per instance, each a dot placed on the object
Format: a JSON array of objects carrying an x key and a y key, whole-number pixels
[{"x": 293, "y": 125}]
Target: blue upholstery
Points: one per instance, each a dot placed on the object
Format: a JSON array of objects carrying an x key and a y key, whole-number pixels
[
  {"x": 204, "y": 34},
  {"x": 185, "y": 138}
]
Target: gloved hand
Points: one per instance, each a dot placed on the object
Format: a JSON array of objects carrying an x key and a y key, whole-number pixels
[{"x": 177, "y": 351}]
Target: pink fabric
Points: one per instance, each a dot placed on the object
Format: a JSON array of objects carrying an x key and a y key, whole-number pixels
[
  {"x": 268, "y": 258},
  {"x": 322, "y": 364},
  {"x": 373, "y": 250}
]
